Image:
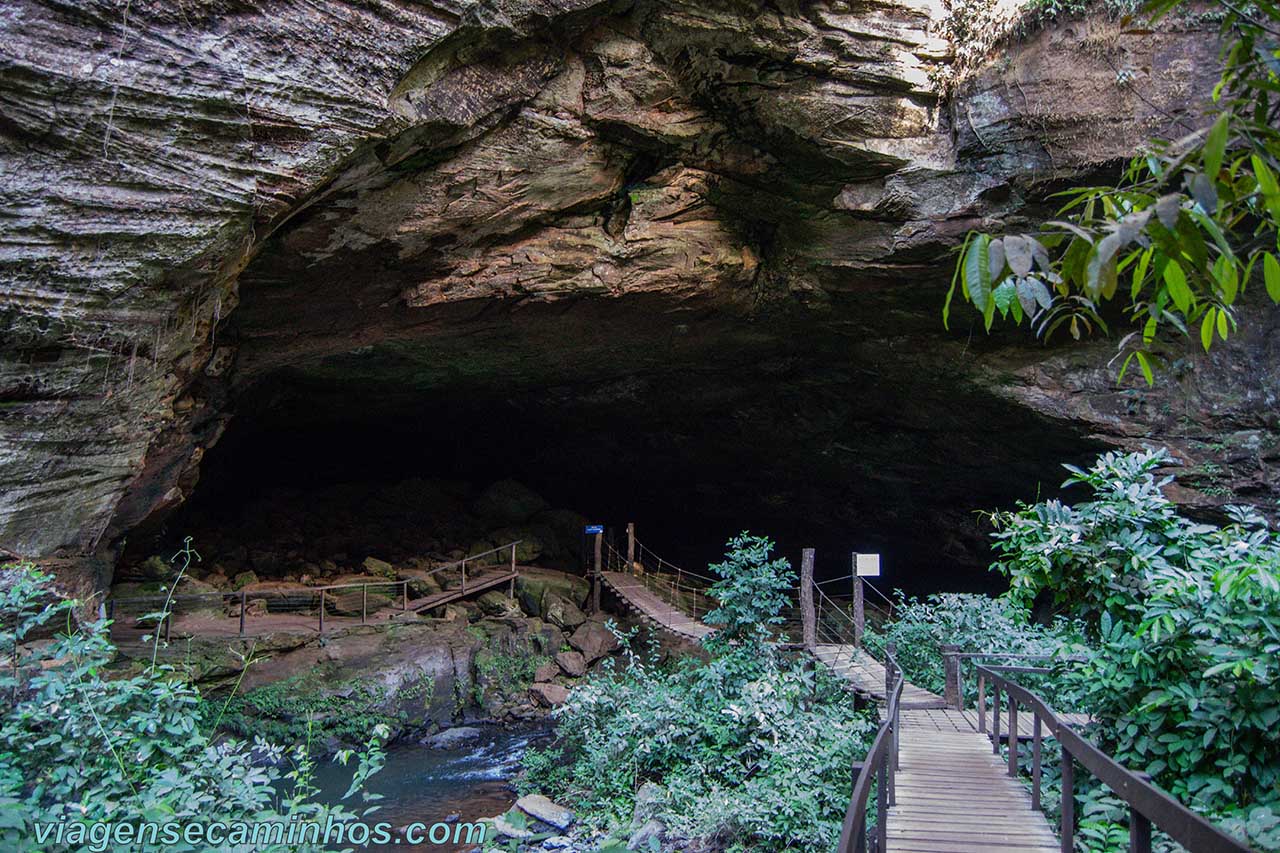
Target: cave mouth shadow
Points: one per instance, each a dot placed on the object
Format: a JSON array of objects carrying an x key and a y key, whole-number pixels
[{"x": 308, "y": 471}]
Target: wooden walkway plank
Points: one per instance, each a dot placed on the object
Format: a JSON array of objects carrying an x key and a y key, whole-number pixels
[
  {"x": 476, "y": 583},
  {"x": 652, "y": 608},
  {"x": 953, "y": 795},
  {"x": 867, "y": 675}
]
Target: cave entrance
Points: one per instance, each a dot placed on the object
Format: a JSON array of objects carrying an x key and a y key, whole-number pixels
[{"x": 322, "y": 468}]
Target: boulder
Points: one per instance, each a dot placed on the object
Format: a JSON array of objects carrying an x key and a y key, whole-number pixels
[
  {"x": 540, "y": 808},
  {"x": 594, "y": 640},
  {"x": 453, "y": 738},
  {"x": 243, "y": 579},
  {"x": 494, "y": 603},
  {"x": 508, "y": 502},
  {"x": 532, "y": 586},
  {"x": 546, "y": 672},
  {"x": 549, "y": 695},
  {"x": 573, "y": 664},
  {"x": 379, "y": 568},
  {"x": 255, "y": 607},
  {"x": 647, "y": 837},
  {"x": 531, "y": 546},
  {"x": 155, "y": 568},
  {"x": 561, "y": 612},
  {"x": 421, "y": 584}
]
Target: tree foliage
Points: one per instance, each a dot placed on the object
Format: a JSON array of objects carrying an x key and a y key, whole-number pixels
[
  {"x": 1188, "y": 226},
  {"x": 1183, "y": 673}
]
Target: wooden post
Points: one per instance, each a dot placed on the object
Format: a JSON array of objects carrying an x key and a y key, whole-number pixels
[
  {"x": 242, "y": 609},
  {"x": 882, "y": 803},
  {"x": 595, "y": 587},
  {"x": 890, "y": 649},
  {"x": 364, "y": 602},
  {"x": 859, "y": 609},
  {"x": 513, "y": 565},
  {"x": 995, "y": 717},
  {"x": 464, "y": 577},
  {"x": 631, "y": 546},
  {"x": 982, "y": 704},
  {"x": 1139, "y": 826},
  {"x": 1068, "y": 830},
  {"x": 1013, "y": 737},
  {"x": 322, "y": 610},
  {"x": 168, "y": 622},
  {"x": 807, "y": 615},
  {"x": 951, "y": 670},
  {"x": 1035, "y": 760},
  {"x": 404, "y": 596}
]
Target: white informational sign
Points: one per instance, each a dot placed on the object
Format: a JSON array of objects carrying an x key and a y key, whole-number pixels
[{"x": 866, "y": 565}]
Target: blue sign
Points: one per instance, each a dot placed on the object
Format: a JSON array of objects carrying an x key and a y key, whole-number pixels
[{"x": 593, "y": 528}]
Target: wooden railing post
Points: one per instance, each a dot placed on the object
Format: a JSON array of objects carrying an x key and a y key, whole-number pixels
[
  {"x": 242, "y": 610},
  {"x": 982, "y": 704},
  {"x": 951, "y": 672},
  {"x": 1013, "y": 736},
  {"x": 631, "y": 546},
  {"x": 808, "y": 616},
  {"x": 1035, "y": 759},
  {"x": 322, "y": 610},
  {"x": 464, "y": 576},
  {"x": 364, "y": 602},
  {"x": 1068, "y": 830},
  {"x": 859, "y": 610},
  {"x": 882, "y": 805},
  {"x": 995, "y": 717},
  {"x": 404, "y": 596},
  {"x": 1139, "y": 826},
  {"x": 595, "y": 587},
  {"x": 890, "y": 649}
]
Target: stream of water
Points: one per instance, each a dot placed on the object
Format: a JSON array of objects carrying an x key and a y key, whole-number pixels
[{"x": 430, "y": 785}]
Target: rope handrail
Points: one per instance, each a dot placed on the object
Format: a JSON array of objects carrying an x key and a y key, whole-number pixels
[{"x": 1148, "y": 804}]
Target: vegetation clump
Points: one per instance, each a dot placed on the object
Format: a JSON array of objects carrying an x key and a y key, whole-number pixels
[{"x": 78, "y": 745}]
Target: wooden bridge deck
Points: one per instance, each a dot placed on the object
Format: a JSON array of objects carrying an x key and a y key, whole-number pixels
[
  {"x": 481, "y": 580},
  {"x": 653, "y": 609},
  {"x": 867, "y": 675},
  {"x": 954, "y": 796}
]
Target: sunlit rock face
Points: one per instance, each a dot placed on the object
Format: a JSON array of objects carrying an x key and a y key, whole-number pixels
[{"x": 716, "y": 232}]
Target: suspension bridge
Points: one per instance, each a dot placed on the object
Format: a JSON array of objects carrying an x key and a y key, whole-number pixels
[{"x": 934, "y": 779}]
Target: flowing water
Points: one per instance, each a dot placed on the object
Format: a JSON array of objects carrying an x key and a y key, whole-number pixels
[{"x": 429, "y": 785}]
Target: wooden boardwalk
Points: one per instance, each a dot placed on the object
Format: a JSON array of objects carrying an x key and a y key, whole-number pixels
[
  {"x": 954, "y": 795},
  {"x": 653, "y": 609},
  {"x": 867, "y": 675},
  {"x": 483, "y": 579}
]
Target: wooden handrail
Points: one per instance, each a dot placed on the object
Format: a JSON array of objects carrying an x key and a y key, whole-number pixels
[
  {"x": 882, "y": 761},
  {"x": 1148, "y": 804}
]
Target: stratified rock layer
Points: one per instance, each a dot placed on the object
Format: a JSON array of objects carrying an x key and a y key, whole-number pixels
[{"x": 354, "y": 207}]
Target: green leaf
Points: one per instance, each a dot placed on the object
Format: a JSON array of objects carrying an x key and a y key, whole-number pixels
[
  {"x": 977, "y": 273},
  {"x": 1222, "y": 324},
  {"x": 1206, "y": 328},
  {"x": 1271, "y": 274},
  {"x": 1176, "y": 280},
  {"x": 1215, "y": 145},
  {"x": 1266, "y": 178},
  {"x": 1145, "y": 364},
  {"x": 1004, "y": 296}
]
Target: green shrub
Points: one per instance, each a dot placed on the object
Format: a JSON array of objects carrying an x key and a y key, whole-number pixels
[
  {"x": 1185, "y": 679},
  {"x": 79, "y": 745},
  {"x": 975, "y": 623}
]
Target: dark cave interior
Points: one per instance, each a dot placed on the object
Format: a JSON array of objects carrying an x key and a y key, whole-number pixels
[{"x": 854, "y": 457}]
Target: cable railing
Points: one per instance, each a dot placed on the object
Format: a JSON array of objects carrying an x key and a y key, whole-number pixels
[
  {"x": 1149, "y": 806},
  {"x": 682, "y": 589}
]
